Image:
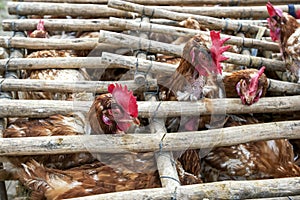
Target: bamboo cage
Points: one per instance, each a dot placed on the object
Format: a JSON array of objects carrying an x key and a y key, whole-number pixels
[{"x": 125, "y": 40}]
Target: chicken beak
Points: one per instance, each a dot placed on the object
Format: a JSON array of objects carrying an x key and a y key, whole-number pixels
[
  {"x": 136, "y": 121},
  {"x": 249, "y": 100}
]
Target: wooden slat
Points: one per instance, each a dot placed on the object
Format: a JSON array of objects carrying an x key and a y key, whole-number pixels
[
  {"x": 178, "y": 2},
  {"x": 216, "y": 190},
  {"x": 209, "y": 22},
  {"x": 144, "y": 142},
  {"x": 108, "y": 60},
  {"x": 186, "y": 32},
  {"x": 84, "y": 10},
  {"x": 256, "y": 12},
  {"x": 159, "y": 47},
  {"x": 68, "y": 86},
  {"x": 44, "y": 108},
  {"x": 59, "y": 25},
  {"x": 42, "y": 43}
]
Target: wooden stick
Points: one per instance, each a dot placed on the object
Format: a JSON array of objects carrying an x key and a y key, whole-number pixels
[
  {"x": 256, "y": 12},
  {"x": 164, "y": 48},
  {"x": 216, "y": 190},
  {"x": 290, "y": 197},
  {"x": 59, "y": 25},
  {"x": 178, "y": 2},
  {"x": 108, "y": 60},
  {"x": 209, "y": 22},
  {"x": 147, "y": 142},
  {"x": 283, "y": 87},
  {"x": 178, "y": 31},
  {"x": 12, "y": 75},
  {"x": 42, "y": 43},
  {"x": 84, "y": 10},
  {"x": 50, "y": 63},
  {"x": 45, "y": 108},
  {"x": 68, "y": 86},
  {"x": 137, "y": 43},
  {"x": 131, "y": 62}
]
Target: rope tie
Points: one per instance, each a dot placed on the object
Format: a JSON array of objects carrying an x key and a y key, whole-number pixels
[
  {"x": 172, "y": 178},
  {"x": 226, "y": 25},
  {"x": 174, "y": 197},
  {"x": 239, "y": 28}
]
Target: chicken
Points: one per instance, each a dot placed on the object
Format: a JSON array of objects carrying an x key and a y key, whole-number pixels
[
  {"x": 285, "y": 29},
  {"x": 110, "y": 113},
  {"x": 188, "y": 23},
  {"x": 40, "y": 31},
  {"x": 197, "y": 76},
  {"x": 114, "y": 112},
  {"x": 55, "y": 125},
  {"x": 89, "y": 179},
  {"x": 197, "y": 73},
  {"x": 248, "y": 84},
  {"x": 70, "y": 124},
  {"x": 53, "y": 74},
  {"x": 249, "y": 161}
]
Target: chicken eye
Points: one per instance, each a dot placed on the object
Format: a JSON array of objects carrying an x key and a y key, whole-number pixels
[{"x": 244, "y": 85}]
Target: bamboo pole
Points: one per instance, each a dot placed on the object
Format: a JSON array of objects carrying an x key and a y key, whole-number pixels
[
  {"x": 144, "y": 65},
  {"x": 290, "y": 197},
  {"x": 50, "y": 63},
  {"x": 179, "y": 2},
  {"x": 108, "y": 60},
  {"x": 186, "y": 32},
  {"x": 58, "y": 25},
  {"x": 137, "y": 43},
  {"x": 7, "y": 85},
  {"x": 216, "y": 190},
  {"x": 283, "y": 87},
  {"x": 164, "y": 160},
  {"x": 45, "y": 108},
  {"x": 209, "y": 22},
  {"x": 10, "y": 75},
  {"x": 68, "y": 86},
  {"x": 144, "y": 142},
  {"x": 83, "y": 10},
  {"x": 257, "y": 12},
  {"x": 159, "y": 47},
  {"x": 42, "y": 43}
]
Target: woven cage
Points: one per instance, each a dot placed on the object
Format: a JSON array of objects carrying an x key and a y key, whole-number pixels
[{"x": 126, "y": 26}]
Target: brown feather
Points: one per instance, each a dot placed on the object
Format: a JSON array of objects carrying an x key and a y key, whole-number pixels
[
  {"x": 88, "y": 179},
  {"x": 248, "y": 161}
]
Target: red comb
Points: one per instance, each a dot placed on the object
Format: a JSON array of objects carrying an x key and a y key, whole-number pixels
[
  {"x": 254, "y": 81},
  {"x": 40, "y": 26},
  {"x": 298, "y": 14},
  {"x": 273, "y": 11},
  {"x": 217, "y": 49},
  {"x": 124, "y": 98}
]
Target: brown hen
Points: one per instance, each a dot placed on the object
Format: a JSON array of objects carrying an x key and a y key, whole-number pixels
[
  {"x": 110, "y": 113},
  {"x": 285, "y": 29},
  {"x": 248, "y": 84},
  {"x": 197, "y": 76},
  {"x": 53, "y": 74},
  {"x": 248, "y": 161}
]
